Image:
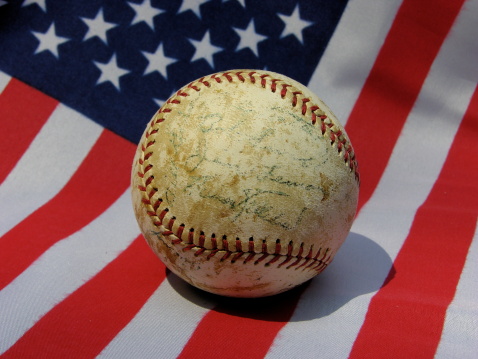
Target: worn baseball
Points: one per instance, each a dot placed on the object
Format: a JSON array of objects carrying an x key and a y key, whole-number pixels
[{"x": 245, "y": 184}]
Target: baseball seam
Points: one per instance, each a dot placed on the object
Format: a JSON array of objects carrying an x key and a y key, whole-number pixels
[{"x": 307, "y": 108}]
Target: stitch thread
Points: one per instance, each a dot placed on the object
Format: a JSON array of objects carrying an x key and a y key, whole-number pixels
[{"x": 336, "y": 137}]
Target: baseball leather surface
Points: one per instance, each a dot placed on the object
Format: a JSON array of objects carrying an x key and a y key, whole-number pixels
[{"x": 245, "y": 184}]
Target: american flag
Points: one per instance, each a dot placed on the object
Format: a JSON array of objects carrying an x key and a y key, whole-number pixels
[{"x": 79, "y": 80}]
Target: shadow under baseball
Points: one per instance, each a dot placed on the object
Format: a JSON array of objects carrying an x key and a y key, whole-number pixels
[{"x": 361, "y": 266}]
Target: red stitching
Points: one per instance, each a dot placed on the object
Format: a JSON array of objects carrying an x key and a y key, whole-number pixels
[
  {"x": 191, "y": 235},
  {"x": 289, "y": 254},
  {"x": 157, "y": 204},
  {"x": 192, "y": 86},
  {"x": 288, "y": 258},
  {"x": 189, "y": 247},
  {"x": 299, "y": 256},
  {"x": 278, "y": 247},
  {"x": 204, "y": 82},
  {"x": 308, "y": 257},
  {"x": 225, "y": 243},
  {"x": 149, "y": 180},
  {"x": 237, "y": 256},
  {"x": 251, "y": 77},
  {"x": 314, "y": 116},
  {"x": 273, "y": 260},
  {"x": 227, "y": 76},
  {"x": 213, "y": 241},
  {"x": 226, "y": 256},
  {"x": 264, "y": 81},
  {"x": 179, "y": 234},
  {"x": 202, "y": 239},
  {"x": 173, "y": 100},
  {"x": 274, "y": 85},
  {"x": 283, "y": 92},
  {"x": 251, "y": 245},
  {"x": 332, "y": 137},
  {"x": 200, "y": 248},
  {"x": 199, "y": 252},
  {"x": 313, "y": 263},
  {"x": 171, "y": 223},
  {"x": 147, "y": 168},
  {"x": 152, "y": 192},
  {"x": 264, "y": 252},
  {"x": 213, "y": 253},
  {"x": 250, "y": 256},
  {"x": 294, "y": 99},
  {"x": 162, "y": 214},
  {"x": 304, "y": 105},
  {"x": 214, "y": 77},
  {"x": 238, "y": 245},
  {"x": 152, "y": 132},
  {"x": 240, "y": 77}
]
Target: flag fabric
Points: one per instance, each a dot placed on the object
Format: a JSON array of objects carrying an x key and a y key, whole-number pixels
[{"x": 79, "y": 81}]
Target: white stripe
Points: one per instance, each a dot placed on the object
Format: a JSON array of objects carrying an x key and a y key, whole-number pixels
[
  {"x": 4, "y": 80},
  {"x": 64, "y": 268},
  {"x": 164, "y": 324},
  {"x": 460, "y": 333},
  {"x": 351, "y": 53},
  {"x": 331, "y": 311},
  {"x": 47, "y": 165}
]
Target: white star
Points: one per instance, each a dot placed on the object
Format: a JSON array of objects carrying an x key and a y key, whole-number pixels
[
  {"x": 294, "y": 24},
  {"x": 191, "y": 5},
  {"x": 250, "y": 38},
  {"x": 110, "y": 72},
  {"x": 97, "y": 26},
  {"x": 40, "y": 3},
  {"x": 145, "y": 12},
  {"x": 242, "y": 2},
  {"x": 158, "y": 61},
  {"x": 205, "y": 50},
  {"x": 49, "y": 41},
  {"x": 159, "y": 101}
]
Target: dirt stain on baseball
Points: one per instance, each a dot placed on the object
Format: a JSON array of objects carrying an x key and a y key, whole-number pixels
[{"x": 325, "y": 185}]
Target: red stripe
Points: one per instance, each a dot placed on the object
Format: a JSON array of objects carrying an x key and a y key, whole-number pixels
[
  {"x": 402, "y": 320},
  {"x": 389, "y": 93},
  {"x": 23, "y": 112},
  {"x": 100, "y": 179},
  {"x": 394, "y": 83},
  {"x": 241, "y": 328},
  {"x": 86, "y": 321}
]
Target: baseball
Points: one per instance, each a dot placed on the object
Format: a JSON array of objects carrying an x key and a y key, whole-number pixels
[{"x": 245, "y": 184}]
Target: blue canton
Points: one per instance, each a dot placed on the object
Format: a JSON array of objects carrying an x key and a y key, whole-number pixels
[{"x": 118, "y": 61}]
